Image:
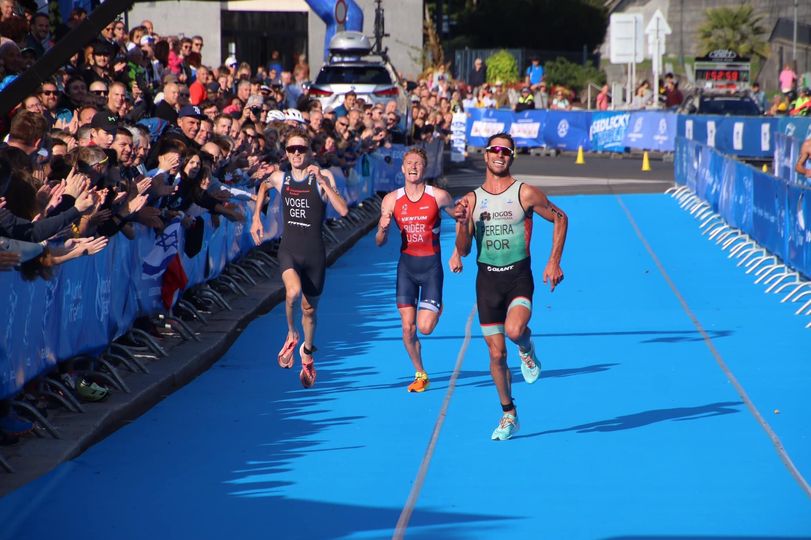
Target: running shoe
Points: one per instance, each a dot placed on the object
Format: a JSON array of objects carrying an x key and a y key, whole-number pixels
[
  {"x": 507, "y": 427},
  {"x": 530, "y": 366},
  {"x": 420, "y": 383},
  {"x": 286, "y": 354},
  {"x": 91, "y": 392},
  {"x": 308, "y": 373}
]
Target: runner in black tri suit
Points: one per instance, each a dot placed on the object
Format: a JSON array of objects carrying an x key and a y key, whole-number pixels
[
  {"x": 305, "y": 190},
  {"x": 500, "y": 216}
]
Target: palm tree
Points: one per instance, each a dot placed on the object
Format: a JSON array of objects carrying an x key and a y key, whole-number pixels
[{"x": 737, "y": 29}]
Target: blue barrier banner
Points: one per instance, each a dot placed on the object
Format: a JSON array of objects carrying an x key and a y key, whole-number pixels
[
  {"x": 567, "y": 130},
  {"x": 769, "y": 213},
  {"x": 773, "y": 211},
  {"x": 91, "y": 301},
  {"x": 798, "y": 233},
  {"x": 527, "y": 128},
  {"x": 607, "y": 131},
  {"x": 651, "y": 130},
  {"x": 735, "y": 202},
  {"x": 484, "y": 123},
  {"x": 795, "y": 126},
  {"x": 733, "y": 135}
]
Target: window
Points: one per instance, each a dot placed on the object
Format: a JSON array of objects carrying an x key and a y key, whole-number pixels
[{"x": 353, "y": 75}]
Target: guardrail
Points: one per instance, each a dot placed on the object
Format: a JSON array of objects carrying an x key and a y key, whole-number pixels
[
  {"x": 93, "y": 300},
  {"x": 621, "y": 131},
  {"x": 760, "y": 218}
]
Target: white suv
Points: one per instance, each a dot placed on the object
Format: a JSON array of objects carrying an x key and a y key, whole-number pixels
[{"x": 351, "y": 68}]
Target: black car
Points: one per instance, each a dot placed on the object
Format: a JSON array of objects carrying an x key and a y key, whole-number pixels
[{"x": 721, "y": 103}]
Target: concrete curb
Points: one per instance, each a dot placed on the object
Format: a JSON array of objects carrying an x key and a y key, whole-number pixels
[{"x": 34, "y": 457}]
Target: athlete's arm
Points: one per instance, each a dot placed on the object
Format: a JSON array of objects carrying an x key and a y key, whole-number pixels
[
  {"x": 386, "y": 211},
  {"x": 464, "y": 224},
  {"x": 805, "y": 153},
  {"x": 274, "y": 182},
  {"x": 330, "y": 188},
  {"x": 534, "y": 199}
]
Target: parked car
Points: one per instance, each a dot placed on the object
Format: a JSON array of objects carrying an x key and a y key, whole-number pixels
[
  {"x": 352, "y": 67},
  {"x": 738, "y": 103}
]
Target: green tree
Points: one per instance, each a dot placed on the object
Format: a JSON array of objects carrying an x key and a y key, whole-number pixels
[
  {"x": 736, "y": 28},
  {"x": 502, "y": 67},
  {"x": 574, "y": 76}
]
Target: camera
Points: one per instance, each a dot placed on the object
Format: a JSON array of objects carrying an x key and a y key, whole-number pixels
[{"x": 256, "y": 111}]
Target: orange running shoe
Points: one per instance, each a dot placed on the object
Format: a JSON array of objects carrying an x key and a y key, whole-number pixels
[
  {"x": 308, "y": 373},
  {"x": 286, "y": 354},
  {"x": 420, "y": 383}
]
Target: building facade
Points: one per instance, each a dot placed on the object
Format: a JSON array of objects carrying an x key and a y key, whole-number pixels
[
  {"x": 686, "y": 16},
  {"x": 252, "y": 29}
]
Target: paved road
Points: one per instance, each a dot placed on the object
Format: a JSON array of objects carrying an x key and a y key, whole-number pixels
[{"x": 560, "y": 176}]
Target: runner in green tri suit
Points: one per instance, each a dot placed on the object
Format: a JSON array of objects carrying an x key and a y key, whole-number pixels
[{"x": 499, "y": 217}]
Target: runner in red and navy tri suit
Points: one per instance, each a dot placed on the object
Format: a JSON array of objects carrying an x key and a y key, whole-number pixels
[{"x": 415, "y": 209}]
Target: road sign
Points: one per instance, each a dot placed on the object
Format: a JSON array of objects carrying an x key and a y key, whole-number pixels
[
  {"x": 656, "y": 30},
  {"x": 626, "y": 45}
]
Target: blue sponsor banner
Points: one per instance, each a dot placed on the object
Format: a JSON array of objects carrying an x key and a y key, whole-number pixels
[
  {"x": 526, "y": 128},
  {"x": 798, "y": 232},
  {"x": 733, "y": 135},
  {"x": 607, "y": 131},
  {"x": 795, "y": 126},
  {"x": 651, "y": 130},
  {"x": 771, "y": 210},
  {"x": 769, "y": 213},
  {"x": 567, "y": 130},
  {"x": 484, "y": 123}
]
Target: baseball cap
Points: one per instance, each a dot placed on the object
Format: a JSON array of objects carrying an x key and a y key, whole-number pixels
[
  {"x": 213, "y": 86},
  {"x": 192, "y": 111},
  {"x": 106, "y": 121},
  {"x": 231, "y": 61},
  {"x": 254, "y": 101}
]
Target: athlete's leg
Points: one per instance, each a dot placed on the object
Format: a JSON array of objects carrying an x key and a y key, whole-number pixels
[
  {"x": 430, "y": 306},
  {"x": 516, "y": 325},
  {"x": 292, "y": 289},
  {"x": 408, "y": 316},
  {"x": 499, "y": 370},
  {"x": 426, "y": 320},
  {"x": 308, "y": 319}
]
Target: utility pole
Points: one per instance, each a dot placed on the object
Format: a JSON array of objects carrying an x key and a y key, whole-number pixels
[{"x": 794, "y": 38}]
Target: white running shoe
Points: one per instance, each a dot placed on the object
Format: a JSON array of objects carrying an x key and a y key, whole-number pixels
[
  {"x": 507, "y": 427},
  {"x": 530, "y": 366}
]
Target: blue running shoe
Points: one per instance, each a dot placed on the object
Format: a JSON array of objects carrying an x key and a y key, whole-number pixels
[
  {"x": 530, "y": 366},
  {"x": 507, "y": 427}
]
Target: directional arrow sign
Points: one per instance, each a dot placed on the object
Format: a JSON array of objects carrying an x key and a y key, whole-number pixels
[{"x": 658, "y": 26}]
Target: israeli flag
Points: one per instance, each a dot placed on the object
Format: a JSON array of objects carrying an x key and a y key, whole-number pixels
[{"x": 166, "y": 246}]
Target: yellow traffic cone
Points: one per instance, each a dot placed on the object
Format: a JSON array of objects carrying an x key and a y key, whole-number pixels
[
  {"x": 645, "y": 162},
  {"x": 765, "y": 168},
  {"x": 580, "y": 160}
]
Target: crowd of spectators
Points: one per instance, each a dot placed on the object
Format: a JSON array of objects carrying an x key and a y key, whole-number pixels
[{"x": 135, "y": 132}]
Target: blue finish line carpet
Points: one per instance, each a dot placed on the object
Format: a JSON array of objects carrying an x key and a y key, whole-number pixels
[{"x": 636, "y": 428}]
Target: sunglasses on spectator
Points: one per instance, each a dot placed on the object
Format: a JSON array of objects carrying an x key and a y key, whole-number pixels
[
  {"x": 500, "y": 150},
  {"x": 48, "y": 92},
  {"x": 99, "y": 92},
  {"x": 344, "y": 124},
  {"x": 296, "y": 149}
]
